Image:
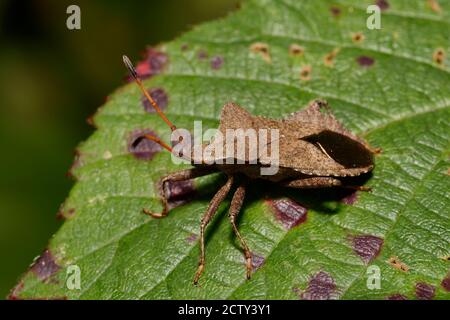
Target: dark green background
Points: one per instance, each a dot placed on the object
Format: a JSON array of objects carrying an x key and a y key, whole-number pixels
[{"x": 51, "y": 80}]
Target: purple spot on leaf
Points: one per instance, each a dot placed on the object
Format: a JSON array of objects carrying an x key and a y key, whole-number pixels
[
  {"x": 216, "y": 62},
  {"x": 45, "y": 266},
  {"x": 153, "y": 63},
  {"x": 179, "y": 192},
  {"x": 202, "y": 55},
  {"x": 382, "y": 4},
  {"x": 365, "y": 61},
  {"x": 350, "y": 199},
  {"x": 368, "y": 247},
  {"x": 159, "y": 96},
  {"x": 192, "y": 238},
  {"x": 289, "y": 212},
  {"x": 257, "y": 261},
  {"x": 446, "y": 284},
  {"x": 142, "y": 148},
  {"x": 424, "y": 291},
  {"x": 320, "y": 287},
  {"x": 397, "y": 296}
]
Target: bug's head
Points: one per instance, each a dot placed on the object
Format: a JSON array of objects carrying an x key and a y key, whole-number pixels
[{"x": 138, "y": 81}]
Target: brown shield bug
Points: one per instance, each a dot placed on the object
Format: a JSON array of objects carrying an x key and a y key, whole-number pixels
[{"x": 315, "y": 151}]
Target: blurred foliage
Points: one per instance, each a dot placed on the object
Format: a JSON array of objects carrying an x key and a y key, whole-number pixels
[{"x": 51, "y": 80}]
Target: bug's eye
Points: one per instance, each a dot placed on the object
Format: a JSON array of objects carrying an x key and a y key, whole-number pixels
[{"x": 342, "y": 149}]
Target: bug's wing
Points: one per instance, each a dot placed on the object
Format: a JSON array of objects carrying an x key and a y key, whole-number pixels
[
  {"x": 314, "y": 150},
  {"x": 319, "y": 113}
]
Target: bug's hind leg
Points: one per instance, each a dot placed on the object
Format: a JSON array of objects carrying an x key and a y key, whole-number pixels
[
  {"x": 312, "y": 182},
  {"x": 321, "y": 182},
  {"x": 358, "y": 188},
  {"x": 173, "y": 177},
  {"x": 209, "y": 214},
  {"x": 235, "y": 207}
]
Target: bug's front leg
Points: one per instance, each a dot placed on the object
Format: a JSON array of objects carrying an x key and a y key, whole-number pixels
[
  {"x": 173, "y": 177},
  {"x": 209, "y": 214},
  {"x": 235, "y": 208}
]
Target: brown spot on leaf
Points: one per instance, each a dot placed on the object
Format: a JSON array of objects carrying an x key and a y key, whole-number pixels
[
  {"x": 179, "y": 192},
  {"x": 90, "y": 120},
  {"x": 262, "y": 49},
  {"x": 295, "y": 50},
  {"x": 15, "y": 292},
  {"x": 141, "y": 148},
  {"x": 367, "y": 247},
  {"x": 305, "y": 73},
  {"x": 382, "y": 4},
  {"x": 153, "y": 63},
  {"x": 365, "y": 61},
  {"x": 45, "y": 266},
  {"x": 446, "y": 258},
  {"x": 335, "y": 11},
  {"x": 439, "y": 56},
  {"x": 289, "y": 212},
  {"x": 358, "y": 37},
  {"x": 216, "y": 62},
  {"x": 329, "y": 58},
  {"x": 397, "y": 264},
  {"x": 257, "y": 261},
  {"x": 65, "y": 214},
  {"x": 446, "y": 283},
  {"x": 159, "y": 95},
  {"x": 350, "y": 199},
  {"x": 424, "y": 291},
  {"x": 434, "y": 5},
  {"x": 320, "y": 287},
  {"x": 77, "y": 162},
  {"x": 397, "y": 296},
  {"x": 184, "y": 47},
  {"x": 202, "y": 55}
]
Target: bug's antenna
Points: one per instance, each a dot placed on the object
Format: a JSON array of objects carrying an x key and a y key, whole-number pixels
[
  {"x": 138, "y": 81},
  {"x": 152, "y": 138}
]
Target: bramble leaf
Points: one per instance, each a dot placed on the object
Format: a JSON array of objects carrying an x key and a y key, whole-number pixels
[{"x": 390, "y": 86}]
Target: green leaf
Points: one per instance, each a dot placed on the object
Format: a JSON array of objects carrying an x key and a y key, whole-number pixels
[{"x": 388, "y": 88}]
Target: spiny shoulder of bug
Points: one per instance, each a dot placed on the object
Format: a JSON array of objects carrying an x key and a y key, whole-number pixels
[{"x": 311, "y": 142}]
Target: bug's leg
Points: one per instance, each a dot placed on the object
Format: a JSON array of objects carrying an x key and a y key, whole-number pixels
[
  {"x": 235, "y": 207},
  {"x": 375, "y": 150},
  {"x": 321, "y": 182},
  {"x": 312, "y": 182},
  {"x": 210, "y": 211},
  {"x": 358, "y": 188},
  {"x": 173, "y": 177}
]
